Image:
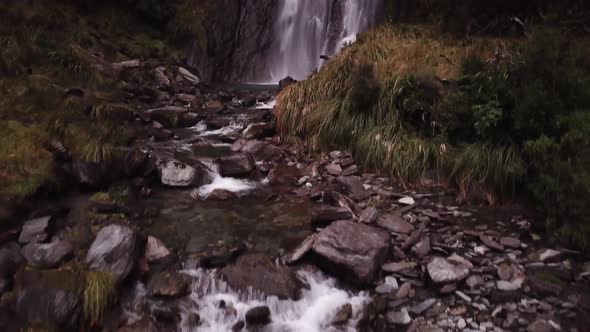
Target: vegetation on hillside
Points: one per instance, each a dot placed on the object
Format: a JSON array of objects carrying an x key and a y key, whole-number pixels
[
  {"x": 47, "y": 47},
  {"x": 510, "y": 118}
]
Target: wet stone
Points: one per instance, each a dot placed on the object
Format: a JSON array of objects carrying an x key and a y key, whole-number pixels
[
  {"x": 395, "y": 223},
  {"x": 47, "y": 255},
  {"x": 168, "y": 284},
  {"x": 491, "y": 243},
  {"x": 399, "y": 317},
  {"x": 454, "y": 268},
  {"x": 343, "y": 315},
  {"x": 35, "y": 231},
  {"x": 258, "y": 316},
  {"x": 539, "y": 325},
  {"x": 369, "y": 215},
  {"x": 510, "y": 242},
  {"x": 398, "y": 267},
  {"x": 334, "y": 169}
]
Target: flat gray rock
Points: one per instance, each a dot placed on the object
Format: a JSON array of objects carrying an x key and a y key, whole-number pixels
[
  {"x": 356, "y": 249},
  {"x": 454, "y": 268}
]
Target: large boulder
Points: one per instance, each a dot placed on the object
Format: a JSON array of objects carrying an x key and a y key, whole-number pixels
[
  {"x": 114, "y": 250},
  {"x": 50, "y": 305},
  {"x": 169, "y": 116},
  {"x": 446, "y": 270},
  {"x": 357, "y": 250},
  {"x": 35, "y": 231},
  {"x": 175, "y": 173},
  {"x": 47, "y": 255},
  {"x": 236, "y": 165},
  {"x": 259, "y": 272},
  {"x": 263, "y": 151}
]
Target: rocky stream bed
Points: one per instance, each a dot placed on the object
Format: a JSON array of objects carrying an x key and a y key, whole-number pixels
[{"x": 219, "y": 227}]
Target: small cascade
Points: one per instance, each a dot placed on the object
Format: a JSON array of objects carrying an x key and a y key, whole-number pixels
[
  {"x": 313, "y": 312},
  {"x": 307, "y": 29},
  {"x": 237, "y": 186}
]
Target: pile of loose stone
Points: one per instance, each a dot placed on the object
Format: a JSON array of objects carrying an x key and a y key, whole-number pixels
[{"x": 435, "y": 266}]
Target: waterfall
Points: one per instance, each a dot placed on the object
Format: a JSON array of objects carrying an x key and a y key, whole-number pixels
[{"x": 306, "y": 29}]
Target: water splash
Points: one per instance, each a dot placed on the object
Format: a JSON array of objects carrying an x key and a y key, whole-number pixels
[
  {"x": 238, "y": 186},
  {"x": 312, "y": 313}
]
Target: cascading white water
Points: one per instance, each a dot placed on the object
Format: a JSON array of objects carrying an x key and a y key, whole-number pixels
[
  {"x": 306, "y": 29},
  {"x": 313, "y": 312}
]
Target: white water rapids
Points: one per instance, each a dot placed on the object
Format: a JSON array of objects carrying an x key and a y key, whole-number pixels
[{"x": 315, "y": 310}]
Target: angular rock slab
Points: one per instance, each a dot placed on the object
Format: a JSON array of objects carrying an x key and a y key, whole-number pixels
[
  {"x": 35, "y": 231},
  {"x": 452, "y": 269},
  {"x": 114, "y": 250},
  {"x": 258, "y": 271},
  {"x": 47, "y": 255},
  {"x": 395, "y": 223},
  {"x": 358, "y": 249}
]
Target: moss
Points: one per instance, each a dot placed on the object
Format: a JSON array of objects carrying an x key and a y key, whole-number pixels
[{"x": 24, "y": 164}]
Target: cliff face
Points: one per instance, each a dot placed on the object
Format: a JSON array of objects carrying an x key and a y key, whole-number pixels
[{"x": 238, "y": 33}]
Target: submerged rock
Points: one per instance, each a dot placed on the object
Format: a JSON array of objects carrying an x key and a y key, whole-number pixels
[
  {"x": 260, "y": 273},
  {"x": 454, "y": 268},
  {"x": 114, "y": 250},
  {"x": 357, "y": 249}
]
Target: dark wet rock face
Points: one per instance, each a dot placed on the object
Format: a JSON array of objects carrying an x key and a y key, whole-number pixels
[
  {"x": 57, "y": 306},
  {"x": 258, "y": 316},
  {"x": 10, "y": 260},
  {"x": 259, "y": 272},
  {"x": 114, "y": 250},
  {"x": 240, "y": 32},
  {"x": 356, "y": 249}
]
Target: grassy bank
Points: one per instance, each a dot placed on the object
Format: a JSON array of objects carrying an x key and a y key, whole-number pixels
[
  {"x": 47, "y": 47},
  {"x": 504, "y": 118}
]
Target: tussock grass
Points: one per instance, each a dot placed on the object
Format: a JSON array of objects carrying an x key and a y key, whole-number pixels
[
  {"x": 99, "y": 293},
  {"x": 395, "y": 73}
]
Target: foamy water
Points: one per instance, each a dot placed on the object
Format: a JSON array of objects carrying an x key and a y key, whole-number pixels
[
  {"x": 237, "y": 186},
  {"x": 312, "y": 313}
]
